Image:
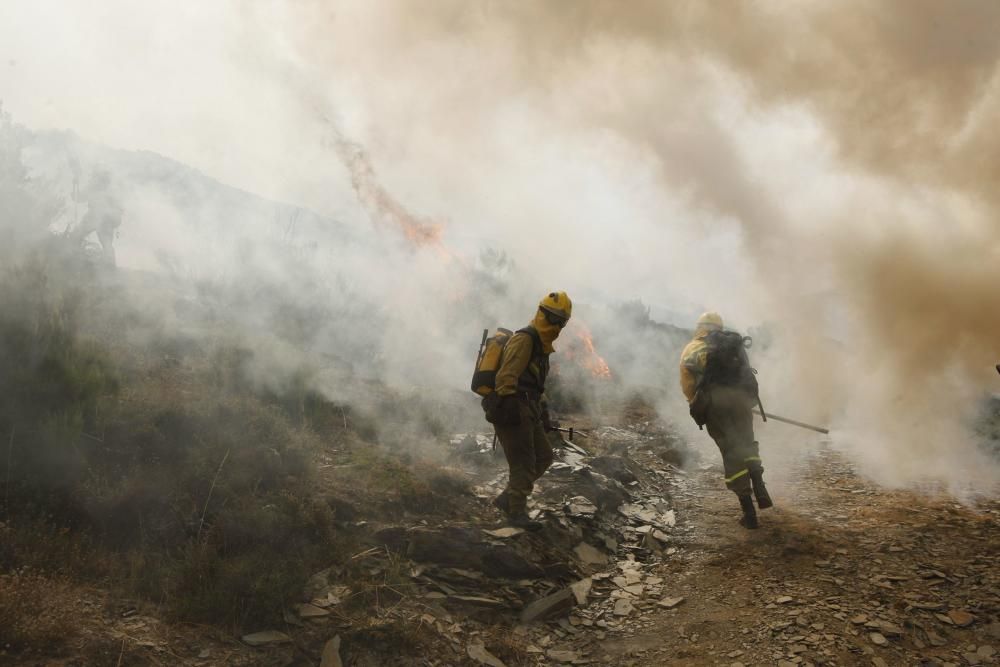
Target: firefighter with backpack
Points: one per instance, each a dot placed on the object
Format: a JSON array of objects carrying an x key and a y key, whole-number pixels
[
  {"x": 721, "y": 389},
  {"x": 510, "y": 375}
]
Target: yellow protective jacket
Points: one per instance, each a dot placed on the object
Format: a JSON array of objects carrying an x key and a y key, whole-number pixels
[
  {"x": 693, "y": 360},
  {"x": 518, "y": 361}
]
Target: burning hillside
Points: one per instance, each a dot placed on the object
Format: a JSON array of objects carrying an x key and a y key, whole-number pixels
[{"x": 578, "y": 349}]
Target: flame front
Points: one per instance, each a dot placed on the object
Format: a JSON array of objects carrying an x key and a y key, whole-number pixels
[
  {"x": 382, "y": 207},
  {"x": 582, "y": 350}
]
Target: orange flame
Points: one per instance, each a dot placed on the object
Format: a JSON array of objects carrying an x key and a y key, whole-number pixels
[
  {"x": 382, "y": 207},
  {"x": 581, "y": 349}
]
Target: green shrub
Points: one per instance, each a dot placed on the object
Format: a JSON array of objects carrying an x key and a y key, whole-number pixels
[{"x": 51, "y": 386}]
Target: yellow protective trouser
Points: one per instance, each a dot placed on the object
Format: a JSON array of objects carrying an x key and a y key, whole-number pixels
[
  {"x": 528, "y": 452},
  {"x": 730, "y": 423}
]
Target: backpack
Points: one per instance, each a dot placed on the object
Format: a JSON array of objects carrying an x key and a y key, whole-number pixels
[
  {"x": 488, "y": 360},
  {"x": 490, "y": 357},
  {"x": 727, "y": 361}
]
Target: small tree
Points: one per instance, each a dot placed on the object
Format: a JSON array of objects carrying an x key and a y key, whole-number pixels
[{"x": 26, "y": 211}]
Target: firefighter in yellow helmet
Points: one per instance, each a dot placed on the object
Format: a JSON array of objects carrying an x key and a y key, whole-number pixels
[
  {"x": 519, "y": 412},
  {"x": 721, "y": 390}
]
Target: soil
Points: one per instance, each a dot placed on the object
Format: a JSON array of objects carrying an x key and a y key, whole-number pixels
[
  {"x": 835, "y": 562},
  {"x": 839, "y": 573}
]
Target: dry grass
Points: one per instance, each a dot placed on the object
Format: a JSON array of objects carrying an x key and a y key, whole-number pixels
[
  {"x": 386, "y": 643},
  {"x": 166, "y": 468},
  {"x": 388, "y": 485},
  {"x": 35, "y": 610},
  {"x": 200, "y": 499},
  {"x": 512, "y": 648}
]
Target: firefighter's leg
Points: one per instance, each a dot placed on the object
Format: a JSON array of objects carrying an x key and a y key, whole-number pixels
[
  {"x": 736, "y": 471},
  {"x": 738, "y": 481},
  {"x": 516, "y": 441},
  {"x": 757, "y": 479},
  {"x": 519, "y": 448},
  {"x": 724, "y": 427},
  {"x": 543, "y": 451},
  {"x": 749, "y": 518},
  {"x": 750, "y": 452}
]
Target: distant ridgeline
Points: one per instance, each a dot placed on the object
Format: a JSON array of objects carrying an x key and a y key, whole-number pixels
[{"x": 171, "y": 207}]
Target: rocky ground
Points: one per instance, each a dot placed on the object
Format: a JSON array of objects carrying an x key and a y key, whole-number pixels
[
  {"x": 839, "y": 574},
  {"x": 641, "y": 563}
]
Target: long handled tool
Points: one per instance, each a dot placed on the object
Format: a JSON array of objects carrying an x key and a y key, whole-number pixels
[
  {"x": 771, "y": 415},
  {"x": 569, "y": 444},
  {"x": 763, "y": 415},
  {"x": 479, "y": 358},
  {"x": 572, "y": 431},
  {"x": 482, "y": 346}
]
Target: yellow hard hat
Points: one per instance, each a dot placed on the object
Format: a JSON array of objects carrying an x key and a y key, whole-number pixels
[
  {"x": 711, "y": 319},
  {"x": 558, "y": 304}
]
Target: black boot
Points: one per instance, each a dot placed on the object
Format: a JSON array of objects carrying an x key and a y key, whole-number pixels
[
  {"x": 759, "y": 490},
  {"x": 521, "y": 520},
  {"x": 749, "y": 518},
  {"x": 502, "y": 503}
]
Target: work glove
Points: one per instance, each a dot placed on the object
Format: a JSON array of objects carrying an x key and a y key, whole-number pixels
[{"x": 507, "y": 412}]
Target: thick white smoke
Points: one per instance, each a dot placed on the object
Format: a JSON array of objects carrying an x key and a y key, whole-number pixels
[{"x": 838, "y": 192}]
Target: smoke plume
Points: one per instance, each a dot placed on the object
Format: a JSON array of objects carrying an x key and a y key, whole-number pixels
[{"x": 822, "y": 172}]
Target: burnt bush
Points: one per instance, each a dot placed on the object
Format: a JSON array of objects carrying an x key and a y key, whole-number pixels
[
  {"x": 214, "y": 500},
  {"x": 247, "y": 566},
  {"x": 177, "y": 490}
]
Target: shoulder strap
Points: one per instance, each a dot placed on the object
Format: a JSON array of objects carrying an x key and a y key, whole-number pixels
[{"x": 536, "y": 340}]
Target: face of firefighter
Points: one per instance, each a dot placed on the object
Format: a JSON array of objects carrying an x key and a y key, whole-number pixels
[{"x": 548, "y": 327}]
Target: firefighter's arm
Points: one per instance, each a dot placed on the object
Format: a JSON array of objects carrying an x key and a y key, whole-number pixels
[
  {"x": 516, "y": 357},
  {"x": 688, "y": 383},
  {"x": 692, "y": 365}
]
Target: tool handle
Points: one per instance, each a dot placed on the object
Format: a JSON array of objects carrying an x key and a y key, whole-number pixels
[
  {"x": 482, "y": 345},
  {"x": 572, "y": 432}
]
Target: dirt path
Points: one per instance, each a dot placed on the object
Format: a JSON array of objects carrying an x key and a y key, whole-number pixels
[{"x": 840, "y": 573}]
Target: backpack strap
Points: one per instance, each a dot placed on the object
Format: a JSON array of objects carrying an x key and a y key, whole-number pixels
[
  {"x": 536, "y": 339},
  {"x": 536, "y": 343},
  {"x": 537, "y": 368}
]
